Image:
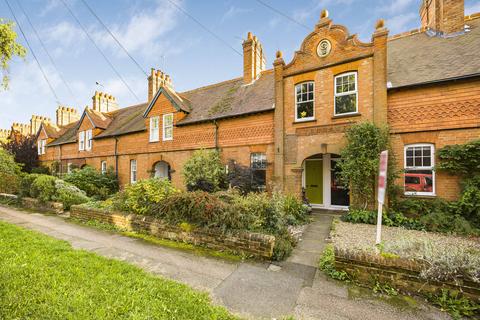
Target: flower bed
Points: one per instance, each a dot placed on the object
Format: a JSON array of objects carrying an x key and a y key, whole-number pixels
[
  {"x": 415, "y": 261},
  {"x": 249, "y": 243}
]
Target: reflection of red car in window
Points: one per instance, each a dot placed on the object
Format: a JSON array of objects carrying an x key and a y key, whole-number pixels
[{"x": 418, "y": 182}]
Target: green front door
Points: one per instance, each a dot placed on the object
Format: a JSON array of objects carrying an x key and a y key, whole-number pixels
[{"x": 314, "y": 181}]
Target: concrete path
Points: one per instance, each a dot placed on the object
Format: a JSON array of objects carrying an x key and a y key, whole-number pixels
[{"x": 252, "y": 290}]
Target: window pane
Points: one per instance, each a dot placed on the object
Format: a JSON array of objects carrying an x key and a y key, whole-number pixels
[
  {"x": 409, "y": 162},
  {"x": 305, "y": 110},
  {"x": 427, "y": 161},
  {"x": 409, "y": 152},
  {"x": 417, "y": 162},
  {"x": 346, "y": 104},
  {"x": 298, "y": 89},
  {"x": 418, "y": 181}
]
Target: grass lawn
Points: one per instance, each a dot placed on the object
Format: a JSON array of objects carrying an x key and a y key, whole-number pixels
[{"x": 44, "y": 278}]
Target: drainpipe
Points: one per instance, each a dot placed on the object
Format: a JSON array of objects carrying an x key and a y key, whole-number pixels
[
  {"x": 116, "y": 156},
  {"x": 216, "y": 133}
]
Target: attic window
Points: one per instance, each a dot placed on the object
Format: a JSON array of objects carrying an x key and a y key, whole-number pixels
[
  {"x": 168, "y": 126},
  {"x": 154, "y": 129},
  {"x": 81, "y": 140},
  {"x": 41, "y": 146}
]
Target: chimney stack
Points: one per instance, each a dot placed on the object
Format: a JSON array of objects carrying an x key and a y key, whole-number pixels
[
  {"x": 445, "y": 17},
  {"x": 66, "y": 115},
  {"x": 253, "y": 59},
  {"x": 103, "y": 102},
  {"x": 21, "y": 128},
  {"x": 36, "y": 122},
  {"x": 156, "y": 80},
  {"x": 4, "y": 134}
]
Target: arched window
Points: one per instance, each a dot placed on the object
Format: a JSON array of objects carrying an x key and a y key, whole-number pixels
[{"x": 162, "y": 170}]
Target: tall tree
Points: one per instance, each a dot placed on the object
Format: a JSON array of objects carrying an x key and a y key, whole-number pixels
[
  {"x": 24, "y": 150},
  {"x": 9, "y": 48}
]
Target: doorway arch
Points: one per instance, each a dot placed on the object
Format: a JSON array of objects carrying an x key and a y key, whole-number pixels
[{"x": 161, "y": 170}]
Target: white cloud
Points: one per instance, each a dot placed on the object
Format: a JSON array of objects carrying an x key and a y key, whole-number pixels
[
  {"x": 396, "y": 6},
  {"x": 143, "y": 32},
  {"x": 64, "y": 36},
  {"x": 472, "y": 8},
  {"x": 400, "y": 22},
  {"x": 233, "y": 12}
]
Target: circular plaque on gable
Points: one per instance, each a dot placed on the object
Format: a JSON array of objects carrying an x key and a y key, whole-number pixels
[{"x": 324, "y": 48}]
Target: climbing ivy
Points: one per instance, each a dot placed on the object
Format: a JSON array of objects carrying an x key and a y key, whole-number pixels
[{"x": 460, "y": 159}]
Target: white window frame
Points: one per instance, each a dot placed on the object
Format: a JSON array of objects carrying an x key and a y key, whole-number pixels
[
  {"x": 81, "y": 140},
  {"x": 44, "y": 143},
  {"x": 296, "y": 102},
  {"x": 431, "y": 167},
  {"x": 335, "y": 94},
  {"x": 165, "y": 138},
  {"x": 39, "y": 147},
  {"x": 133, "y": 171},
  {"x": 69, "y": 167},
  {"x": 155, "y": 130},
  {"x": 88, "y": 139},
  {"x": 103, "y": 167}
]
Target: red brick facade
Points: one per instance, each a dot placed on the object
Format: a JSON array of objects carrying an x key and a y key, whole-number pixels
[{"x": 441, "y": 113}]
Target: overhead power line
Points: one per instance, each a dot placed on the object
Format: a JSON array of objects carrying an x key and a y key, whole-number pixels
[
  {"x": 179, "y": 8},
  {"x": 283, "y": 14},
  {"x": 99, "y": 50},
  {"x": 114, "y": 38},
  {"x": 33, "y": 53},
  {"x": 47, "y": 52}
]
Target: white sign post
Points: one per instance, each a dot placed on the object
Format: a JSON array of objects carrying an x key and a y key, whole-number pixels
[{"x": 382, "y": 185}]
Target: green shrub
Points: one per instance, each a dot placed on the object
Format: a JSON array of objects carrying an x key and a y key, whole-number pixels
[
  {"x": 454, "y": 303},
  {"x": 9, "y": 173},
  {"x": 94, "y": 183},
  {"x": 43, "y": 188},
  {"x": 68, "y": 194},
  {"x": 294, "y": 211},
  {"x": 463, "y": 159},
  {"x": 283, "y": 247},
  {"x": 447, "y": 222},
  {"x": 327, "y": 264},
  {"x": 141, "y": 197},
  {"x": 204, "y": 171},
  {"x": 25, "y": 186},
  {"x": 468, "y": 206}
]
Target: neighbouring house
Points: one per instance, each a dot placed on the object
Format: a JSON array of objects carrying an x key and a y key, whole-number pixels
[{"x": 288, "y": 122}]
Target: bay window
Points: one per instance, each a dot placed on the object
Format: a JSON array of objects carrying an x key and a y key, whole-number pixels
[
  {"x": 419, "y": 177},
  {"x": 304, "y": 101},
  {"x": 346, "y": 94}
]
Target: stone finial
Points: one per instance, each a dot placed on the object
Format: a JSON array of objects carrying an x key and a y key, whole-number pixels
[
  {"x": 380, "y": 24},
  {"x": 324, "y": 14},
  {"x": 249, "y": 36},
  {"x": 279, "y": 54}
]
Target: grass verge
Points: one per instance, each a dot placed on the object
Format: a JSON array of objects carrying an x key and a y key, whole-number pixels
[{"x": 44, "y": 278}]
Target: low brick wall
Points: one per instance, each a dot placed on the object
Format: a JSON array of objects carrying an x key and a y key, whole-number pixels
[
  {"x": 256, "y": 244},
  {"x": 35, "y": 204},
  {"x": 403, "y": 274}
]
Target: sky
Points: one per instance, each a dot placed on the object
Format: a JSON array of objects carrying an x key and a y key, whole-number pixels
[{"x": 159, "y": 35}]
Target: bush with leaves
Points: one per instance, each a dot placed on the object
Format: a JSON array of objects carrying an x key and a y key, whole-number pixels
[
  {"x": 24, "y": 150},
  {"x": 327, "y": 264},
  {"x": 68, "y": 194},
  {"x": 43, "y": 188},
  {"x": 204, "y": 171},
  {"x": 141, "y": 197},
  {"x": 242, "y": 178},
  {"x": 94, "y": 183},
  {"x": 9, "y": 173},
  {"x": 360, "y": 161},
  {"x": 25, "y": 186}
]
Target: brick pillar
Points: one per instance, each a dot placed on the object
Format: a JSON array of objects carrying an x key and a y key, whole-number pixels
[
  {"x": 379, "y": 40},
  {"x": 297, "y": 182},
  {"x": 279, "y": 130}
]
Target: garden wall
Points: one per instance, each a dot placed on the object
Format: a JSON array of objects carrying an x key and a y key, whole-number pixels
[
  {"x": 255, "y": 244},
  {"x": 403, "y": 274},
  {"x": 35, "y": 204}
]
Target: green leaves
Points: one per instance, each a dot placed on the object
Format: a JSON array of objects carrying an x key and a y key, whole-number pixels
[
  {"x": 9, "y": 48},
  {"x": 9, "y": 173},
  {"x": 460, "y": 159},
  {"x": 204, "y": 167}
]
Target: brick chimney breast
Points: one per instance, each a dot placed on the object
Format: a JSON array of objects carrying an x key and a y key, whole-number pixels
[
  {"x": 36, "y": 122},
  {"x": 156, "y": 80},
  {"x": 103, "y": 102},
  {"x": 66, "y": 115},
  {"x": 253, "y": 59},
  {"x": 444, "y": 17}
]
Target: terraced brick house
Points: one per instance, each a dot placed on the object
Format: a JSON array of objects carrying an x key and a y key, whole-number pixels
[{"x": 288, "y": 122}]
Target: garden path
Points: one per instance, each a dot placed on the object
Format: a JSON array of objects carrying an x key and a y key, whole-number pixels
[{"x": 252, "y": 290}]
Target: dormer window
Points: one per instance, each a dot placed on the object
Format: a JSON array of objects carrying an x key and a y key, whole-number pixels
[
  {"x": 88, "y": 137},
  {"x": 346, "y": 95},
  {"x": 41, "y": 146},
  {"x": 81, "y": 140},
  {"x": 304, "y": 101},
  {"x": 154, "y": 129},
  {"x": 168, "y": 127}
]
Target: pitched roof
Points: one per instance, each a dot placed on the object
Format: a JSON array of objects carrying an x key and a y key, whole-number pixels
[
  {"x": 420, "y": 58},
  {"x": 230, "y": 98},
  {"x": 68, "y": 134},
  {"x": 125, "y": 120},
  {"x": 99, "y": 119}
]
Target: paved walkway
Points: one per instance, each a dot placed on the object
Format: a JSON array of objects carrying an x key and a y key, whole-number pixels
[{"x": 252, "y": 290}]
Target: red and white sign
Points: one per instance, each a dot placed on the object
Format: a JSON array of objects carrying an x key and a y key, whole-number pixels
[
  {"x": 382, "y": 185},
  {"x": 382, "y": 176}
]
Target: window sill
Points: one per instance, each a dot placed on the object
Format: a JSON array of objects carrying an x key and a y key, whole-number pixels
[
  {"x": 416, "y": 195},
  {"x": 340, "y": 116},
  {"x": 304, "y": 121}
]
